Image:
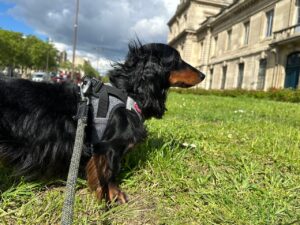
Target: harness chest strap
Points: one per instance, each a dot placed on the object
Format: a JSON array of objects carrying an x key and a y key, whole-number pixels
[{"x": 103, "y": 105}]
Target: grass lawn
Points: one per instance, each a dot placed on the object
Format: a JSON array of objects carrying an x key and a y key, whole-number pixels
[{"x": 211, "y": 160}]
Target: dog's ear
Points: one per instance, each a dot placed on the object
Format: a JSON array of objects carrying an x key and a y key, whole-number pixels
[
  {"x": 118, "y": 77},
  {"x": 149, "y": 85},
  {"x": 122, "y": 71}
]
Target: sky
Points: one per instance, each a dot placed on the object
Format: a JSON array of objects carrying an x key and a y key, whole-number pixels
[{"x": 105, "y": 26}]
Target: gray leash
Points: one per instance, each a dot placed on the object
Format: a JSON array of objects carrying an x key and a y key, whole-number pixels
[{"x": 68, "y": 207}]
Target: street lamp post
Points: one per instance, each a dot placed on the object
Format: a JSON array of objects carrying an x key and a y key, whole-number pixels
[
  {"x": 47, "y": 59},
  {"x": 98, "y": 48},
  {"x": 75, "y": 40}
]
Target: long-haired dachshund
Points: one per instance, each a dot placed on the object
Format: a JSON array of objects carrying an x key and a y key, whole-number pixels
[{"x": 37, "y": 129}]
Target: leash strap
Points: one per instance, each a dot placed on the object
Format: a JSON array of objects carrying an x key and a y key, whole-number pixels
[
  {"x": 82, "y": 114},
  {"x": 82, "y": 111},
  {"x": 68, "y": 207}
]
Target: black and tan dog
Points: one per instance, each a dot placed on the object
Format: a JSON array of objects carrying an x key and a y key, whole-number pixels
[{"x": 37, "y": 128}]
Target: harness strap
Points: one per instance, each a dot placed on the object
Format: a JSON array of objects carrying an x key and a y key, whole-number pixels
[
  {"x": 103, "y": 96},
  {"x": 104, "y": 99},
  {"x": 103, "y": 103}
]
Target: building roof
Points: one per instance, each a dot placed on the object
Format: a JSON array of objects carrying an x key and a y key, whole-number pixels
[
  {"x": 180, "y": 8},
  {"x": 185, "y": 3},
  {"x": 226, "y": 12}
]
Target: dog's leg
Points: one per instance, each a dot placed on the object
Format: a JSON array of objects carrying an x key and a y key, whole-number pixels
[
  {"x": 101, "y": 176},
  {"x": 93, "y": 170}
]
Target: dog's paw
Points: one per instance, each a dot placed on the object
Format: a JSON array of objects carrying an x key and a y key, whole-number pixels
[
  {"x": 116, "y": 195},
  {"x": 100, "y": 193}
]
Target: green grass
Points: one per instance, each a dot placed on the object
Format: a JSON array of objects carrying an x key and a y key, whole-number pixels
[{"x": 211, "y": 160}]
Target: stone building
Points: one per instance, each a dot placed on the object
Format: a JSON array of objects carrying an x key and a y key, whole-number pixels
[
  {"x": 249, "y": 44},
  {"x": 63, "y": 57}
]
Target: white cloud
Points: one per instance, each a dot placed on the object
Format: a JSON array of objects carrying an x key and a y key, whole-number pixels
[
  {"x": 106, "y": 24},
  {"x": 150, "y": 29},
  {"x": 99, "y": 62},
  {"x": 61, "y": 46},
  {"x": 171, "y": 6}
]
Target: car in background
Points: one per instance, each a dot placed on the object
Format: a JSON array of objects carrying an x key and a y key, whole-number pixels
[{"x": 40, "y": 77}]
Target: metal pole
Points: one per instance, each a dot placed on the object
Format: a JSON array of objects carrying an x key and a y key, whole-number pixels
[
  {"x": 47, "y": 62},
  {"x": 98, "y": 51},
  {"x": 47, "y": 59},
  {"x": 75, "y": 40},
  {"x": 98, "y": 59}
]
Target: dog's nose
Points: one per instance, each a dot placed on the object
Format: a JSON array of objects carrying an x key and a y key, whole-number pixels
[{"x": 202, "y": 76}]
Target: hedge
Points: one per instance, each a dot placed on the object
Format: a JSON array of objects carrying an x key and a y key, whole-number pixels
[{"x": 286, "y": 95}]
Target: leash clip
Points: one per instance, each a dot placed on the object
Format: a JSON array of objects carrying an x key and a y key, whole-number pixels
[
  {"x": 83, "y": 104},
  {"x": 90, "y": 86},
  {"x": 85, "y": 88}
]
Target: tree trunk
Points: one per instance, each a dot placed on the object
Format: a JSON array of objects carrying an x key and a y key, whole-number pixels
[{"x": 10, "y": 71}]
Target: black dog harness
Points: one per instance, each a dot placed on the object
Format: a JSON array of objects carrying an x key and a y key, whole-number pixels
[{"x": 104, "y": 99}]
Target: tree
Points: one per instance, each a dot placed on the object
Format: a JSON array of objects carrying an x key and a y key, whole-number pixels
[
  {"x": 10, "y": 49},
  {"x": 41, "y": 52},
  {"x": 89, "y": 70},
  {"x": 18, "y": 51},
  {"x": 66, "y": 65}
]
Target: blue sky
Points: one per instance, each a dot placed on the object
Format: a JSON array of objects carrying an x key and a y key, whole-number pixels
[{"x": 8, "y": 22}]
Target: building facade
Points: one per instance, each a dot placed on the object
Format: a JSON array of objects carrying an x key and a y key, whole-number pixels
[
  {"x": 248, "y": 44},
  {"x": 62, "y": 58}
]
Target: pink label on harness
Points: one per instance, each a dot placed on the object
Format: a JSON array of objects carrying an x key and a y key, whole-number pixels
[{"x": 137, "y": 108}]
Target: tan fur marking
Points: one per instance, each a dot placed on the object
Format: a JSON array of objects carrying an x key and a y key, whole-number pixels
[
  {"x": 187, "y": 77},
  {"x": 92, "y": 173},
  {"x": 96, "y": 170}
]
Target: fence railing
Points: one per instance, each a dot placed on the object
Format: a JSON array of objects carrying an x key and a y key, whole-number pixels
[{"x": 286, "y": 33}]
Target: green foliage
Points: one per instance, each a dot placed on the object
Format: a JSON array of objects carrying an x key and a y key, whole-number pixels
[
  {"x": 10, "y": 48},
  {"x": 89, "y": 70},
  {"x": 285, "y": 95},
  {"x": 28, "y": 52},
  {"x": 105, "y": 79},
  {"x": 211, "y": 160},
  {"x": 66, "y": 65}
]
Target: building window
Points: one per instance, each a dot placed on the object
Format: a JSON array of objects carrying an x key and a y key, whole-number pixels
[
  {"x": 292, "y": 73},
  {"x": 224, "y": 74},
  {"x": 298, "y": 12},
  {"x": 216, "y": 45},
  {"x": 298, "y": 15},
  {"x": 201, "y": 51},
  {"x": 247, "y": 31},
  {"x": 240, "y": 75},
  {"x": 270, "y": 17},
  {"x": 262, "y": 74},
  {"x": 211, "y": 78},
  {"x": 229, "y": 34}
]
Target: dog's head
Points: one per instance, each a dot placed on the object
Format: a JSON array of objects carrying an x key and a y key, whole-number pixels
[{"x": 149, "y": 71}]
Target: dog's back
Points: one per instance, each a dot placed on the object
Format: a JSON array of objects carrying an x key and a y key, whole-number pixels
[{"x": 36, "y": 125}]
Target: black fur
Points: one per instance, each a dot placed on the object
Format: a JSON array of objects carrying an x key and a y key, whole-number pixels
[
  {"x": 37, "y": 129},
  {"x": 36, "y": 126}
]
